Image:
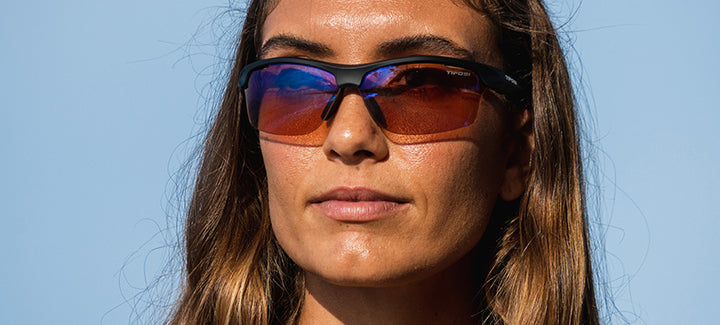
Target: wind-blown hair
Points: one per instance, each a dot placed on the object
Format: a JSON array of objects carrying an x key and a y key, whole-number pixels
[{"x": 538, "y": 268}]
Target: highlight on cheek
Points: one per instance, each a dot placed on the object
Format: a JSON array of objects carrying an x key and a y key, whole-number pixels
[
  {"x": 318, "y": 137},
  {"x": 315, "y": 138}
]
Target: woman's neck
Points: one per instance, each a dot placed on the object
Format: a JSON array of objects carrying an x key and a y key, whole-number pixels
[{"x": 444, "y": 298}]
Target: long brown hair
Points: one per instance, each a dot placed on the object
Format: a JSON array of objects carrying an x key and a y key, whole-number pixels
[{"x": 539, "y": 262}]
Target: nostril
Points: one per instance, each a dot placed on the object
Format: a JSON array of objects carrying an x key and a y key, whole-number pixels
[
  {"x": 364, "y": 154},
  {"x": 355, "y": 158},
  {"x": 360, "y": 154}
]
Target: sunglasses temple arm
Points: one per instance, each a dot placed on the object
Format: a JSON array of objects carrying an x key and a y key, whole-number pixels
[{"x": 499, "y": 81}]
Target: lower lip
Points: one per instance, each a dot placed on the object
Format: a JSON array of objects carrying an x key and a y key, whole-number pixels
[{"x": 358, "y": 211}]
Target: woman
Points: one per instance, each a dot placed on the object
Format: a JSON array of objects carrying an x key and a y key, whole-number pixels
[{"x": 399, "y": 162}]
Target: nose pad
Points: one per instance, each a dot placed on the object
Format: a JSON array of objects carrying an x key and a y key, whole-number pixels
[
  {"x": 375, "y": 112},
  {"x": 333, "y": 104}
]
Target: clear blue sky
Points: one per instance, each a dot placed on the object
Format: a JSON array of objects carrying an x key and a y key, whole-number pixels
[{"x": 100, "y": 100}]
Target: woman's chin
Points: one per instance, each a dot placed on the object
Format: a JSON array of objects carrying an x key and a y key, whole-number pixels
[
  {"x": 372, "y": 271},
  {"x": 366, "y": 277}
]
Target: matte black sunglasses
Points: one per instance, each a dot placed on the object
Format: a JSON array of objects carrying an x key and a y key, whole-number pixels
[{"x": 411, "y": 95}]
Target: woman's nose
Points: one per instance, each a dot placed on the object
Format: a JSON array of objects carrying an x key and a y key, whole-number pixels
[{"x": 354, "y": 136}]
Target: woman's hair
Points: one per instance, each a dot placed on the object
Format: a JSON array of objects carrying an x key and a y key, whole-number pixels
[{"x": 539, "y": 267}]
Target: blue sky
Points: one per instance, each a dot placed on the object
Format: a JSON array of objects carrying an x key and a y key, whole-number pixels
[{"x": 100, "y": 102}]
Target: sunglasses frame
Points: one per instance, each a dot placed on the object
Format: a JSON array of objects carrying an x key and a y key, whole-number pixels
[{"x": 352, "y": 75}]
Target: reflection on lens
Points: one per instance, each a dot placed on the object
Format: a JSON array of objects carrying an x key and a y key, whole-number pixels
[
  {"x": 424, "y": 98},
  {"x": 288, "y": 99}
]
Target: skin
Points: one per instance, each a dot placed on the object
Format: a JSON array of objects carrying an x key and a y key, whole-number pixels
[{"x": 412, "y": 264}]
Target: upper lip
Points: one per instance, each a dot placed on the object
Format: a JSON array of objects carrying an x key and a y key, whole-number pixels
[{"x": 356, "y": 194}]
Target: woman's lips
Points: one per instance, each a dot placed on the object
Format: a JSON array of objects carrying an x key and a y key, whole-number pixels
[{"x": 357, "y": 204}]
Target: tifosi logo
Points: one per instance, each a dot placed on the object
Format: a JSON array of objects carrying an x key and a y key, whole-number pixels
[{"x": 459, "y": 73}]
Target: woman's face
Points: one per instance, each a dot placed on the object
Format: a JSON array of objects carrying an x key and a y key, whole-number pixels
[{"x": 360, "y": 209}]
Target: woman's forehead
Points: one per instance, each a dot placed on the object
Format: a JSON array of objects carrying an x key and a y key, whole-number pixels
[{"x": 355, "y": 31}]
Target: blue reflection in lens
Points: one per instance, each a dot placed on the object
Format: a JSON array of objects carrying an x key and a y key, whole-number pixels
[{"x": 294, "y": 79}]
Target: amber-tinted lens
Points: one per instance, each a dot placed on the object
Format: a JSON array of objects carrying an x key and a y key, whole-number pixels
[
  {"x": 410, "y": 99},
  {"x": 288, "y": 99},
  {"x": 423, "y": 98}
]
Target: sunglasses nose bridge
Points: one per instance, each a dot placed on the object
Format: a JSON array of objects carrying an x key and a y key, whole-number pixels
[
  {"x": 349, "y": 77},
  {"x": 345, "y": 78}
]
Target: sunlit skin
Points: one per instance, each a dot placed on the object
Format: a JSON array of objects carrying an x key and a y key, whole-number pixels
[{"x": 402, "y": 262}]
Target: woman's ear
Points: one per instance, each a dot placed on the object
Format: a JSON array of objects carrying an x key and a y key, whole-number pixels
[{"x": 518, "y": 163}]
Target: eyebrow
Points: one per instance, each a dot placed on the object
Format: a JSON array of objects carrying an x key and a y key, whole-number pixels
[
  {"x": 283, "y": 41},
  {"x": 427, "y": 43},
  {"x": 436, "y": 45}
]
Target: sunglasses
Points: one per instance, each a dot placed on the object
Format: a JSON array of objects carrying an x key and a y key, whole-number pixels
[{"x": 413, "y": 95}]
